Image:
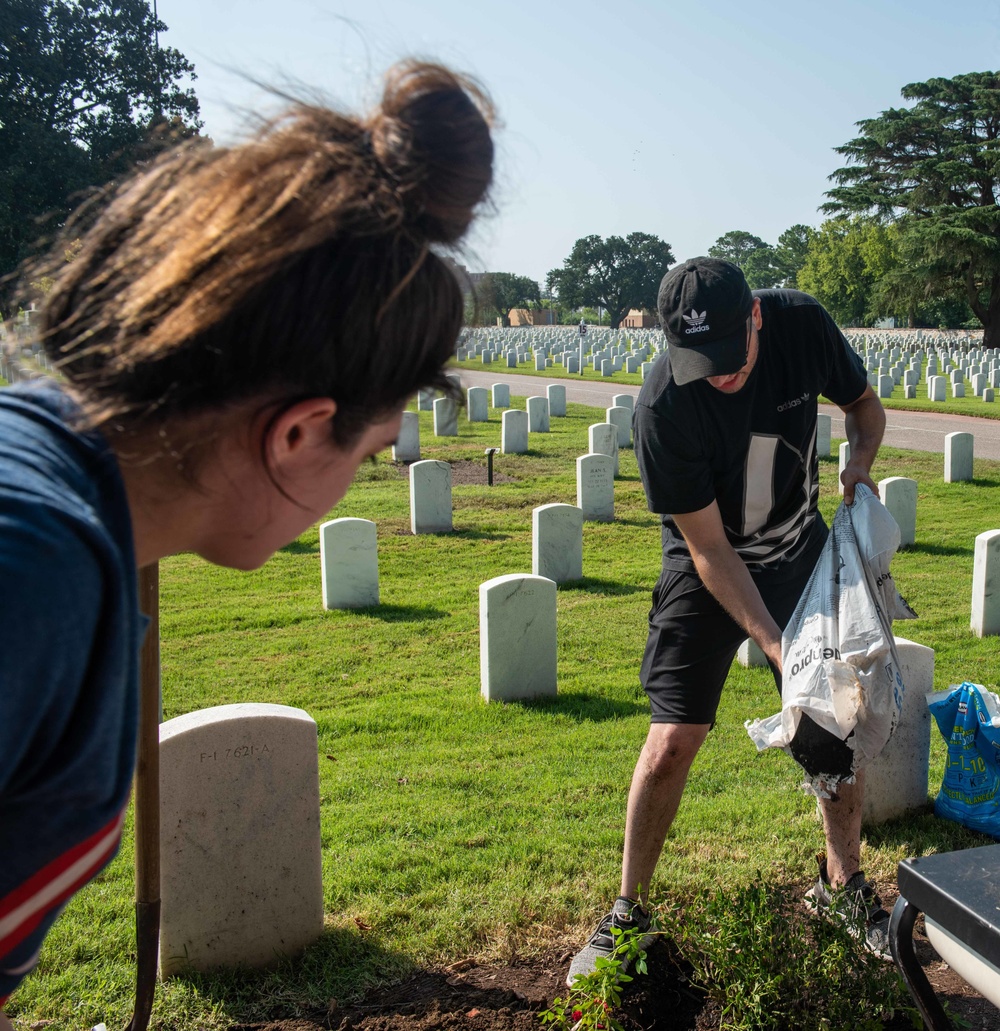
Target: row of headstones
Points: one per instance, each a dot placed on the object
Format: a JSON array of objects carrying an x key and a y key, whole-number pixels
[
  {"x": 348, "y": 546},
  {"x": 981, "y": 368},
  {"x": 607, "y": 359},
  {"x": 557, "y": 338},
  {"x": 516, "y": 425},
  {"x": 349, "y": 551},
  {"x": 910, "y": 340}
]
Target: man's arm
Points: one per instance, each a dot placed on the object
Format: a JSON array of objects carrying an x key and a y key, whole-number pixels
[
  {"x": 723, "y": 572},
  {"x": 864, "y": 421}
]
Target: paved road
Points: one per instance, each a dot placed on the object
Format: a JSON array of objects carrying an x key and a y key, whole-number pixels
[{"x": 915, "y": 431}]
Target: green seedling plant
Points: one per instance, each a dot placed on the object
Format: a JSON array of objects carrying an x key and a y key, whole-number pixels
[
  {"x": 771, "y": 964},
  {"x": 593, "y": 998}
]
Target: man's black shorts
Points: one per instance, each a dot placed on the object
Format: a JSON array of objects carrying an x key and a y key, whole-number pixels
[
  {"x": 693, "y": 640},
  {"x": 691, "y": 645}
]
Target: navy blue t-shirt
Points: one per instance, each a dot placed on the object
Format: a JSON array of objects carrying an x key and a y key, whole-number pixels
[
  {"x": 753, "y": 452},
  {"x": 70, "y": 634}
]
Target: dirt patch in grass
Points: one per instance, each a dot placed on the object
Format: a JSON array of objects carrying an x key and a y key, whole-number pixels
[
  {"x": 470, "y": 997},
  {"x": 465, "y": 472}
]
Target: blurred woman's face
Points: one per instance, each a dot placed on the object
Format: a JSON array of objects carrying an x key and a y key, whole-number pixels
[{"x": 261, "y": 510}]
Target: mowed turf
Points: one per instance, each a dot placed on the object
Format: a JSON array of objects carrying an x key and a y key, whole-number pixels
[{"x": 452, "y": 828}]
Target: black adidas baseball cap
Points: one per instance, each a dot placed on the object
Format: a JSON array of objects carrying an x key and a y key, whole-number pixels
[{"x": 704, "y": 304}]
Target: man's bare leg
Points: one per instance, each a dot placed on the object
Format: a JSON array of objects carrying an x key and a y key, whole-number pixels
[
  {"x": 5, "y": 1024},
  {"x": 657, "y": 785},
  {"x": 842, "y": 827}
]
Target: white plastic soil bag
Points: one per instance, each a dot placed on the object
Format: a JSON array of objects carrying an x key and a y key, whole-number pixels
[{"x": 838, "y": 655}]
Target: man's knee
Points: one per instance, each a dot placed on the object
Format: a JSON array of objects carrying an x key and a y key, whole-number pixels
[{"x": 671, "y": 747}]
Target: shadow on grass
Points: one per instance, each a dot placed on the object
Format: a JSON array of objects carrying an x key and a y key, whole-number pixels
[
  {"x": 585, "y": 708},
  {"x": 594, "y": 585},
  {"x": 922, "y": 548},
  {"x": 401, "y": 613},
  {"x": 921, "y": 832},
  {"x": 342, "y": 964},
  {"x": 301, "y": 548}
]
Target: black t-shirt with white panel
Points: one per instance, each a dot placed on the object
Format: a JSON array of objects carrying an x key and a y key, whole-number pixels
[{"x": 753, "y": 452}]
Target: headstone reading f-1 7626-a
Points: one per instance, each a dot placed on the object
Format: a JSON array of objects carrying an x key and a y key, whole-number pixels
[
  {"x": 241, "y": 877},
  {"x": 823, "y": 427}
]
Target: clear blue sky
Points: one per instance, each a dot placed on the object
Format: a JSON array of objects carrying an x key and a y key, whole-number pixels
[{"x": 684, "y": 120}]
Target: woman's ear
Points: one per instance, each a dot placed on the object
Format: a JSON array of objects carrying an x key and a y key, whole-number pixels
[{"x": 292, "y": 437}]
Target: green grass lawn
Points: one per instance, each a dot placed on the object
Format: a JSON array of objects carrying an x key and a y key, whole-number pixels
[{"x": 452, "y": 828}]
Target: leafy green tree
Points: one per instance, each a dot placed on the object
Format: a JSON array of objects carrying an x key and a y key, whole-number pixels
[
  {"x": 846, "y": 261},
  {"x": 790, "y": 254},
  {"x": 617, "y": 273},
  {"x": 751, "y": 253},
  {"x": 500, "y": 292},
  {"x": 935, "y": 169},
  {"x": 84, "y": 93}
]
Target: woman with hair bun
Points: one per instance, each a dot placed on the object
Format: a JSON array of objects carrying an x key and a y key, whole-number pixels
[{"x": 239, "y": 329}]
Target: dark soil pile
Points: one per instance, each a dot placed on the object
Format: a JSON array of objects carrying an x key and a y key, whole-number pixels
[{"x": 469, "y": 997}]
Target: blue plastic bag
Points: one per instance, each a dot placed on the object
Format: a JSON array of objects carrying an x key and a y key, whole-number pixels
[{"x": 968, "y": 717}]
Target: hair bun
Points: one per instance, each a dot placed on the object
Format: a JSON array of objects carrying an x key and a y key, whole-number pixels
[{"x": 431, "y": 135}]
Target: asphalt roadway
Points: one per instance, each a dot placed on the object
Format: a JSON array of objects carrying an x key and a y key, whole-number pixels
[{"x": 914, "y": 431}]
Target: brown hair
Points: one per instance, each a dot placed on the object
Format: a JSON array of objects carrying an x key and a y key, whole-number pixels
[{"x": 297, "y": 264}]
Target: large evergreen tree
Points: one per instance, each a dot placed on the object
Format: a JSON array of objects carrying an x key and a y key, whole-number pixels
[
  {"x": 935, "y": 169},
  {"x": 84, "y": 92},
  {"x": 617, "y": 273}
]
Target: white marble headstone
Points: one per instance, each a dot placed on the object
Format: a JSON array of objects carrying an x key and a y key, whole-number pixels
[
  {"x": 349, "y": 560},
  {"x": 557, "y": 542},
  {"x": 517, "y": 637},
  {"x": 240, "y": 866},
  {"x": 514, "y": 432},
  {"x": 595, "y": 487},
  {"x": 430, "y": 497}
]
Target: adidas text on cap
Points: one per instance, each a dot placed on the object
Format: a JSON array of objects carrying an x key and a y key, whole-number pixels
[{"x": 704, "y": 304}]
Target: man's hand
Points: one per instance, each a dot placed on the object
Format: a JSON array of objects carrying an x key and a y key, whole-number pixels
[
  {"x": 725, "y": 575},
  {"x": 853, "y": 474},
  {"x": 864, "y": 423}
]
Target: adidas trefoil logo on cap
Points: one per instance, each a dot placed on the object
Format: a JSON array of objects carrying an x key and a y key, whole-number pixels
[{"x": 694, "y": 321}]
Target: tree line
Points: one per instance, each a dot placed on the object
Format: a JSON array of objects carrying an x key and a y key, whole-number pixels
[
  {"x": 913, "y": 227},
  {"x": 86, "y": 93}
]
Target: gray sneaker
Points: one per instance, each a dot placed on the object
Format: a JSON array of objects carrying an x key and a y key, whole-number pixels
[
  {"x": 856, "y": 899},
  {"x": 625, "y": 914}
]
